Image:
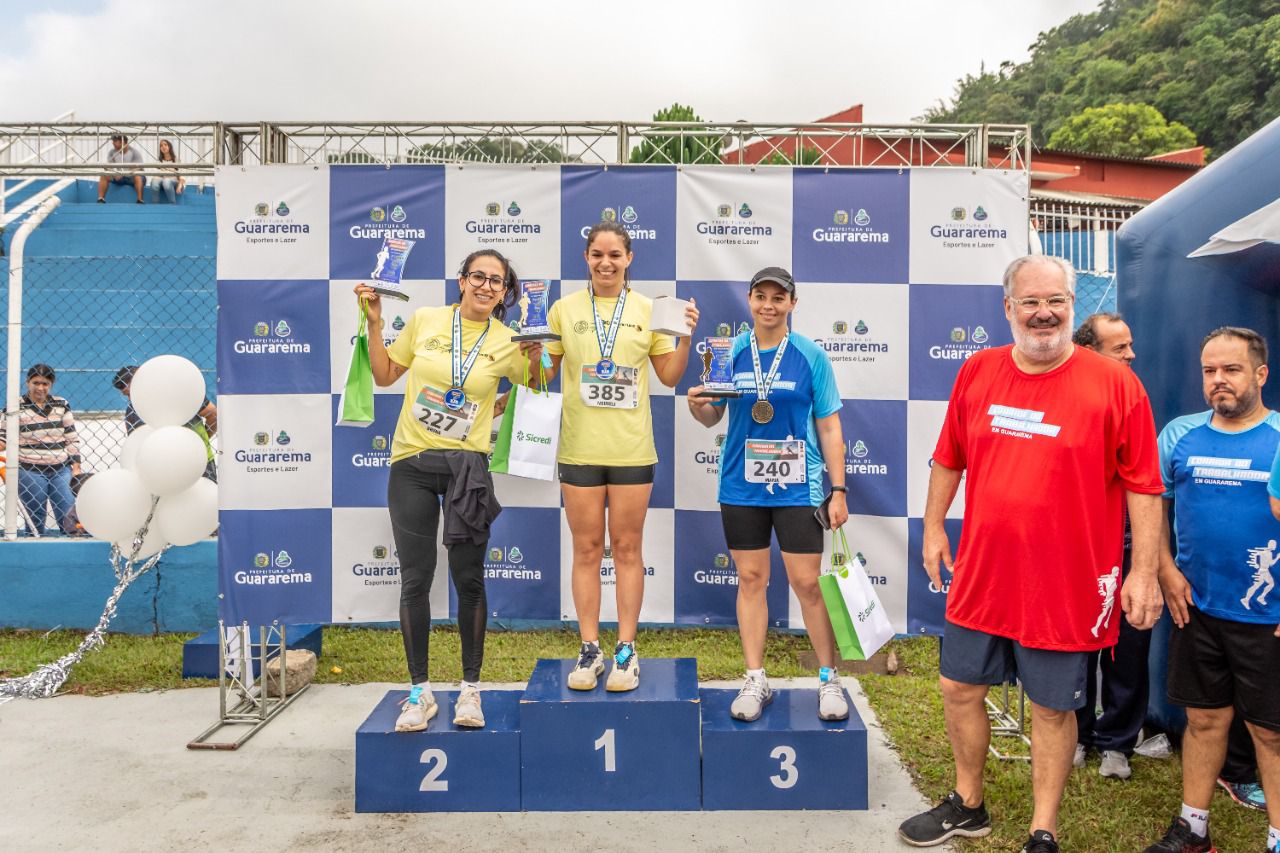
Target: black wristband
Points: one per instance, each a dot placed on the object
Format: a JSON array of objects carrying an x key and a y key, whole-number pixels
[{"x": 844, "y": 489}]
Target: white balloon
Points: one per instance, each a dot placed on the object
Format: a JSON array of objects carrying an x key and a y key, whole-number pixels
[
  {"x": 151, "y": 544},
  {"x": 173, "y": 458},
  {"x": 133, "y": 446},
  {"x": 188, "y": 516},
  {"x": 113, "y": 504},
  {"x": 167, "y": 390}
]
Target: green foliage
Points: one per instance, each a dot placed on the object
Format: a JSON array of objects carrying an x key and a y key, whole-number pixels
[
  {"x": 681, "y": 147},
  {"x": 1122, "y": 130},
  {"x": 491, "y": 149},
  {"x": 807, "y": 157},
  {"x": 1212, "y": 66}
]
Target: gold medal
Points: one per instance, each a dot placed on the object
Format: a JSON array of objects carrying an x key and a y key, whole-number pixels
[{"x": 762, "y": 411}]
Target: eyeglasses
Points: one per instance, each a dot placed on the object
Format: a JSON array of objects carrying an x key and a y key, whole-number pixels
[
  {"x": 1031, "y": 305},
  {"x": 478, "y": 279}
]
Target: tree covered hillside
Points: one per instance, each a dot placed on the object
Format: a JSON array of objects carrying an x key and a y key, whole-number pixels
[{"x": 1212, "y": 65}]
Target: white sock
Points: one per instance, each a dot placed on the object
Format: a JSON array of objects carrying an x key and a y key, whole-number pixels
[
  {"x": 1198, "y": 818},
  {"x": 467, "y": 684},
  {"x": 756, "y": 673},
  {"x": 1273, "y": 838}
]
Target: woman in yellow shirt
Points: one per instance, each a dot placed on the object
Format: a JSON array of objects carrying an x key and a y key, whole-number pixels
[
  {"x": 454, "y": 356},
  {"x": 607, "y": 455}
]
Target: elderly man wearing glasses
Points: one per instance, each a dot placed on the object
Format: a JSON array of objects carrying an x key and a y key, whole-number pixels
[{"x": 1054, "y": 441}]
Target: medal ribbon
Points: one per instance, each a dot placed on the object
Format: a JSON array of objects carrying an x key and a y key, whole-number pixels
[
  {"x": 462, "y": 368},
  {"x": 764, "y": 383},
  {"x": 606, "y": 342}
]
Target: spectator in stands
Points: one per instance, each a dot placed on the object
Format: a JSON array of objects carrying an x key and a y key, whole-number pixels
[
  {"x": 204, "y": 423},
  {"x": 121, "y": 153},
  {"x": 48, "y": 453},
  {"x": 170, "y": 182}
]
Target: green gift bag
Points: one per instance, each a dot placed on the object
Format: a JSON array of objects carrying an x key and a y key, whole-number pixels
[
  {"x": 858, "y": 619},
  {"x": 355, "y": 406}
]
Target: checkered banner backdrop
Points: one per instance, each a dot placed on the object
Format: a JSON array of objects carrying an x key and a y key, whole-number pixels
[{"x": 898, "y": 277}]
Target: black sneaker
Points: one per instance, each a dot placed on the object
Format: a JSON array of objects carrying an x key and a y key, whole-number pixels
[
  {"x": 948, "y": 818},
  {"x": 1180, "y": 839},
  {"x": 1041, "y": 841}
]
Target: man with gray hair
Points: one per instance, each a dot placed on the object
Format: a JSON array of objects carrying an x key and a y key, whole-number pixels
[{"x": 1056, "y": 440}]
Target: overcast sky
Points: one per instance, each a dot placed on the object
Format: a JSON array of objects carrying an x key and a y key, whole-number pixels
[{"x": 250, "y": 60}]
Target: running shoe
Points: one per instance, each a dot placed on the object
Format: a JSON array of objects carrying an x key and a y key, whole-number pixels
[
  {"x": 950, "y": 817},
  {"x": 1180, "y": 839},
  {"x": 751, "y": 700},
  {"x": 831, "y": 702},
  {"x": 588, "y": 669},
  {"x": 1247, "y": 794},
  {"x": 1041, "y": 841},
  {"x": 416, "y": 711},
  {"x": 1077, "y": 761},
  {"x": 466, "y": 711},
  {"x": 1115, "y": 765},
  {"x": 625, "y": 674}
]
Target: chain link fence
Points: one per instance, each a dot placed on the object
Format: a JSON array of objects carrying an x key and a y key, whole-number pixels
[
  {"x": 86, "y": 317},
  {"x": 1085, "y": 235}
]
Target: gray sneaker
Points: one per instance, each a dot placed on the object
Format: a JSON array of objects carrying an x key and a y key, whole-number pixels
[
  {"x": 1078, "y": 761},
  {"x": 416, "y": 711},
  {"x": 1115, "y": 765},
  {"x": 751, "y": 700},
  {"x": 466, "y": 711},
  {"x": 831, "y": 702}
]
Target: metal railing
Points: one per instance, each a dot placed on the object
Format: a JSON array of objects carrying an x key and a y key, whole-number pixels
[
  {"x": 1085, "y": 235},
  {"x": 81, "y": 148}
]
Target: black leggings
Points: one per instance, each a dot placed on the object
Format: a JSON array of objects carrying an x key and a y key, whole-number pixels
[{"x": 414, "y": 490}]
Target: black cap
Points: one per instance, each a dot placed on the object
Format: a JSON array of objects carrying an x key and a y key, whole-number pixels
[{"x": 778, "y": 276}]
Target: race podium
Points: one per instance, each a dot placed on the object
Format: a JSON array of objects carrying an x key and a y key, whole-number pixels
[
  {"x": 787, "y": 759},
  {"x": 445, "y": 768},
  {"x": 597, "y": 751}
]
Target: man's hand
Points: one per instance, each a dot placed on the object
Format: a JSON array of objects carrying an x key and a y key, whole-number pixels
[
  {"x": 937, "y": 549},
  {"x": 1140, "y": 599},
  {"x": 1177, "y": 593}
]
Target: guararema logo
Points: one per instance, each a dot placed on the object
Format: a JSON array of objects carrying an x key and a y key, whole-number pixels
[
  {"x": 282, "y": 209},
  {"x": 378, "y": 214},
  {"x": 745, "y": 211},
  {"x": 839, "y": 327},
  {"x": 492, "y": 209},
  {"x": 261, "y": 560},
  {"x": 379, "y": 552},
  {"x": 495, "y": 555},
  {"x": 608, "y": 215},
  {"x": 513, "y": 209},
  {"x": 722, "y": 561},
  {"x": 398, "y": 214},
  {"x": 979, "y": 214},
  {"x": 283, "y": 560},
  {"x": 958, "y": 214},
  {"x": 859, "y": 449},
  {"x": 629, "y": 215},
  {"x": 979, "y": 335},
  {"x": 724, "y": 211}
]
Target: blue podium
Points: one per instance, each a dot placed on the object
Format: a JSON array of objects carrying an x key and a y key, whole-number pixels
[
  {"x": 787, "y": 759},
  {"x": 445, "y": 768},
  {"x": 601, "y": 751}
]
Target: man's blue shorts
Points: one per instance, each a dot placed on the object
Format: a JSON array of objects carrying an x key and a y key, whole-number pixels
[{"x": 1051, "y": 679}]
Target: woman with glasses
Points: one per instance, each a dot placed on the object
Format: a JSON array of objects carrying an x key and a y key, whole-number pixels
[
  {"x": 607, "y": 455},
  {"x": 453, "y": 358}
]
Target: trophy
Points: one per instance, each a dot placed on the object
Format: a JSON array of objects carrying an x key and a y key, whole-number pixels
[
  {"x": 385, "y": 278},
  {"x": 533, "y": 312},
  {"x": 717, "y": 368}
]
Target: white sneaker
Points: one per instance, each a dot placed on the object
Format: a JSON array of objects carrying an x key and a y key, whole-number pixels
[
  {"x": 1077, "y": 761},
  {"x": 417, "y": 711},
  {"x": 466, "y": 711},
  {"x": 751, "y": 700},
  {"x": 588, "y": 669},
  {"x": 831, "y": 702},
  {"x": 625, "y": 674},
  {"x": 1115, "y": 765}
]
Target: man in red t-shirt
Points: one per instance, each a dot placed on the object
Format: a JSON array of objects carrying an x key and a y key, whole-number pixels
[{"x": 1054, "y": 441}]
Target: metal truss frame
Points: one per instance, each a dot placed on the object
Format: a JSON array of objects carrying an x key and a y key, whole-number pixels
[{"x": 79, "y": 149}]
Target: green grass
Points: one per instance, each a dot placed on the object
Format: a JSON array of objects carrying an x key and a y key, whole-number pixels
[{"x": 1098, "y": 814}]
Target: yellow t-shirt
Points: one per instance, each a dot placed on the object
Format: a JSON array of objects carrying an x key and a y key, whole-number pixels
[
  {"x": 592, "y": 436},
  {"x": 425, "y": 346}
]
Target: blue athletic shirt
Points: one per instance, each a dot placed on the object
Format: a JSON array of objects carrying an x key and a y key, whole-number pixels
[
  {"x": 803, "y": 390},
  {"x": 1228, "y": 542}
]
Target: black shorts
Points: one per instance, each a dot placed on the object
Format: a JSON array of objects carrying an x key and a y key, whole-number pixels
[
  {"x": 1216, "y": 663},
  {"x": 606, "y": 475},
  {"x": 748, "y": 528}
]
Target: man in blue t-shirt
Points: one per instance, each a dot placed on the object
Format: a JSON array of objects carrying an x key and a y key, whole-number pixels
[
  {"x": 1225, "y": 651},
  {"x": 782, "y": 429}
]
